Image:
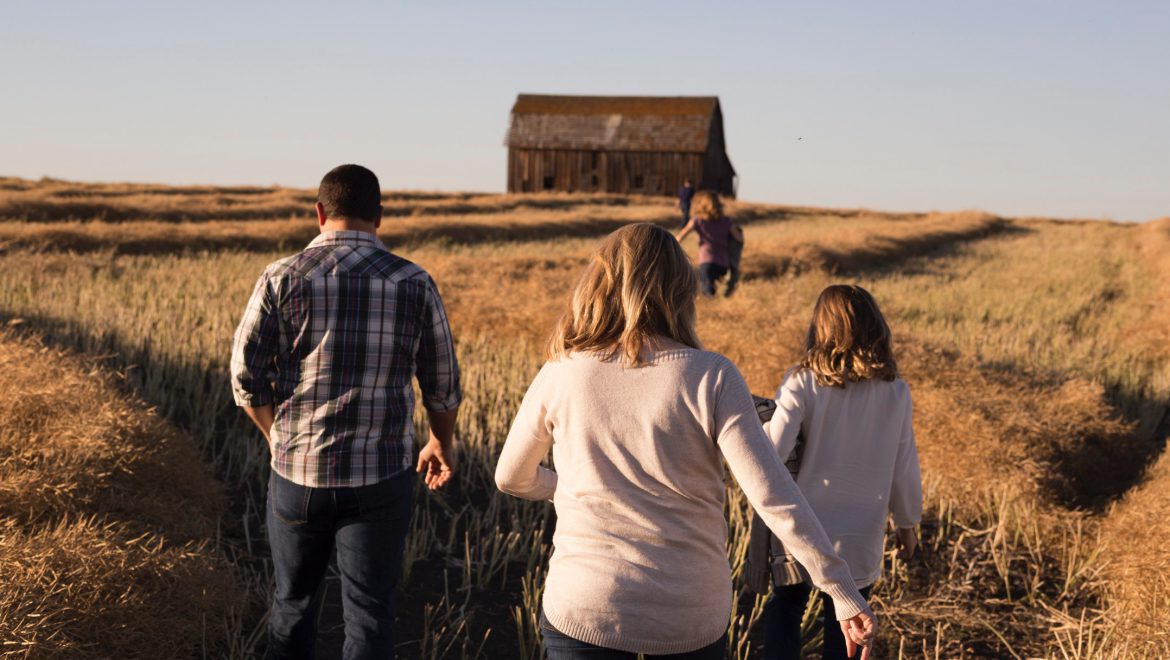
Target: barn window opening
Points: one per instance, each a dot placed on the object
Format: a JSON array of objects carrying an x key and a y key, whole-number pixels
[
  {"x": 639, "y": 180},
  {"x": 549, "y": 182}
]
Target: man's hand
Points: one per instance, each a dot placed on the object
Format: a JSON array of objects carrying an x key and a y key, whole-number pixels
[
  {"x": 907, "y": 542},
  {"x": 437, "y": 459},
  {"x": 437, "y": 463},
  {"x": 859, "y": 631}
]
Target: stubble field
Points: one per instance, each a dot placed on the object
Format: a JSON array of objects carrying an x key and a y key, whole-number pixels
[{"x": 1037, "y": 351}]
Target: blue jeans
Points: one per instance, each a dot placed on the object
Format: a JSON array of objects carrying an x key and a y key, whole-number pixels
[
  {"x": 782, "y": 615},
  {"x": 708, "y": 273},
  {"x": 367, "y": 525},
  {"x": 558, "y": 646}
]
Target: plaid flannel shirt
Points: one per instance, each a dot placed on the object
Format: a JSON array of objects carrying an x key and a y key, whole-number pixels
[{"x": 332, "y": 337}]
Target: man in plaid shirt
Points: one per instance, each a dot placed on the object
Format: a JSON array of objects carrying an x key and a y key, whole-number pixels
[{"x": 322, "y": 362}]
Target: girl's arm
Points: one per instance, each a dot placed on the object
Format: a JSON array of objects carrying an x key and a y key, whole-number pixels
[
  {"x": 784, "y": 426},
  {"x": 906, "y": 490},
  {"x": 685, "y": 230},
  {"x": 770, "y": 489},
  {"x": 737, "y": 232},
  {"x": 519, "y": 471}
]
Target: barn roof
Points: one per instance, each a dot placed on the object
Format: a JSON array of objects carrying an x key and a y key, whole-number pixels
[{"x": 612, "y": 123}]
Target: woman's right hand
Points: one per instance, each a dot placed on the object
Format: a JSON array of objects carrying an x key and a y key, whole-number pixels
[{"x": 859, "y": 630}]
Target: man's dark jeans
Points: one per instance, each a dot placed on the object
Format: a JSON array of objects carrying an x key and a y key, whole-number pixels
[
  {"x": 782, "y": 615},
  {"x": 559, "y": 646},
  {"x": 368, "y": 527}
]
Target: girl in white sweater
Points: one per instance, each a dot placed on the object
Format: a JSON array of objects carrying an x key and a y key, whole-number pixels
[
  {"x": 845, "y": 415},
  {"x": 639, "y": 418}
]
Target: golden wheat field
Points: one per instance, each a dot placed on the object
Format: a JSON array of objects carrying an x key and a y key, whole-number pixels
[{"x": 1037, "y": 352}]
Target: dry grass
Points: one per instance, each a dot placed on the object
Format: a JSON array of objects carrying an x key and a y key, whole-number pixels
[
  {"x": 1135, "y": 532},
  {"x": 1019, "y": 339},
  {"x": 110, "y": 521}
]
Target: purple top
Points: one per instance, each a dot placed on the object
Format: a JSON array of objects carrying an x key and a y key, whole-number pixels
[{"x": 713, "y": 235}]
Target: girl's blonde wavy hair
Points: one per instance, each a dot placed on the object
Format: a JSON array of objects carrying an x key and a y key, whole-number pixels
[
  {"x": 848, "y": 339},
  {"x": 638, "y": 284},
  {"x": 706, "y": 206}
]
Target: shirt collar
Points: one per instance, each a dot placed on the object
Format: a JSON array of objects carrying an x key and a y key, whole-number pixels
[{"x": 347, "y": 237}]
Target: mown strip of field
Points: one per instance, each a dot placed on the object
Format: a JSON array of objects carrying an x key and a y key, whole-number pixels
[{"x": 110, "y": 540}]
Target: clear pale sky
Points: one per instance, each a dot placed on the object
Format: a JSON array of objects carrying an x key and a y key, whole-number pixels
[{"x": 1023, "y": 107}]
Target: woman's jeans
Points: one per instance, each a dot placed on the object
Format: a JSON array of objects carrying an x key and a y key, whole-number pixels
[
  {"x": 782, "y": 615},
  {"x": 558, "y": 646},
  {"x": 708, "y": 273},
  {"x": 367, "y": 525}
]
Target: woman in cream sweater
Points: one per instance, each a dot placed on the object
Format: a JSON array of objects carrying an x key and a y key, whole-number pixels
[{"x": 638, "y": 416}]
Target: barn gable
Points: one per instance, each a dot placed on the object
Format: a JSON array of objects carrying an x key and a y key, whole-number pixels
[{"x": 622, "y": 144}]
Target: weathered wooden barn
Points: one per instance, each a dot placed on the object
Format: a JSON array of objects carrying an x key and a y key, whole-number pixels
[{"x": 620, "y": 144}]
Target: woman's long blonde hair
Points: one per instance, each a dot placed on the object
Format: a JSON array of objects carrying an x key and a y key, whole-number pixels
[
  {"x": 638, "y": 284},
  {"x": 848, "y": 340},
  {"x": 706, "y": 206}
]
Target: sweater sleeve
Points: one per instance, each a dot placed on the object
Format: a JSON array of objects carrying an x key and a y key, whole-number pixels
[
  {"x": 784, "y": 426},
  {"x": 906, "y": 490},
  {"x": 773, "y": 493},
  {"x": 519, "y": 471}
]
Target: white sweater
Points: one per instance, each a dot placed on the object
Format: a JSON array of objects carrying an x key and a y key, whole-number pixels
[
  {"x": 859, "y": 462},
  {"x": 640, "y": 549}
]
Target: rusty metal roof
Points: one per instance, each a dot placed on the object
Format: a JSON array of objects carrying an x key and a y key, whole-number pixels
[{"x": 612, "y": 123}]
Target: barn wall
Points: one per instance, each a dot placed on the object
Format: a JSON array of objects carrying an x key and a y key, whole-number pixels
[
  {"x": 643, "y": 172},
  {"x": 719, "y": 175}
]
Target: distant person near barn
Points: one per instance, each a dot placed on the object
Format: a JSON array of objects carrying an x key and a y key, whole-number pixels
[
  {"x": 683, "y": 203},
  {"x": 716, "y": 234}
]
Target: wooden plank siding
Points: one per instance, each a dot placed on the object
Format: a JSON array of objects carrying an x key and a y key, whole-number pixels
[{"x": 625, "y": 172}]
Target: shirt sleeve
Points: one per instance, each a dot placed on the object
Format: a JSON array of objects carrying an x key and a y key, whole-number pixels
[
  {"x": 254, "y": 348},
  {"x": 436, "y": 366},
  {"x": 784, "y": 427},
  {"x": 906, "y": 490},
  {"x": 770, "y": 489},
  {"x": 519, "y": 471}
]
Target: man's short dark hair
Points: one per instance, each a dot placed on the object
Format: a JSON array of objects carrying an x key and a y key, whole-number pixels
[{"x": 350, "y": 191}]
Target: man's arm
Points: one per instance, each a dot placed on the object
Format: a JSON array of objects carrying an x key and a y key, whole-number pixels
[
  {"x": 253, "y": 349},
  {"x": 437, "y": 370}
]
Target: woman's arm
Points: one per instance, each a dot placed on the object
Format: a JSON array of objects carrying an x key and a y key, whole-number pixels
[{"x": 519, "y": 471}]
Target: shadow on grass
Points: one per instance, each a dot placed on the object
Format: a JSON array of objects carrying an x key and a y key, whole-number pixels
[{"x": 198, "y": 401}]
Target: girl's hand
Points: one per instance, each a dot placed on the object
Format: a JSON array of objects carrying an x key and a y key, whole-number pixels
[
  {"x": 859, "y": 631},
  {"x": 907, "y": 541}
]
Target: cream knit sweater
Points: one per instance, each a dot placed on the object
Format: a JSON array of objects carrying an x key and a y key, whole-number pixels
[
  {"x": 859, "y": 461},
  {"x": 640, "y": 549}
]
